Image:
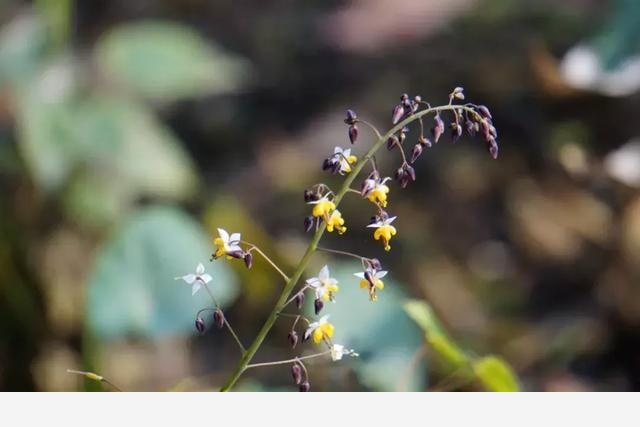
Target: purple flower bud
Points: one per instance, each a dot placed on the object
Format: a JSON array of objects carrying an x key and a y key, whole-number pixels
[
  {"x": 438, "y": 128},
  {"x": 310, "y": 196},
  {"x": 293, "y": 339},
  {"x": 492, "y": 145},
  {"x": 351, "y": 117},
  {"x": 353, "y": 133},
  {"x": 404, "y": 97},
  {"x": 237, "y": 254},
  {"x": 304, "y": 387},
  {"x": 248, "y": 259},
  {"x": 326, "y": 164},
  {"x": 318, "y": 305},
  {"x": 456, "y": 132},
  {"x": 369, "y": 277},
  {"x": 484, "y": 112},
  {"x": 218, "y": 318},
  {"x": 486, "y": 129},
  {"x": 296, "y": 373},
  {"x": 416, "y": 152},
  {"x": 308, "y": 223},
  {"x": 392, "y": 142},
  {"x": 375, "y": 264},
  {"x": 471, "y": 127},
  {"x": 403, "y": 136},
  {"x": 299, "y": 300},
  {"x": 200, "y": 325},
  {"x": 397, "y": 114},
  {"x": 399, "y": 175},
  {"x": 410, "y": 172}
]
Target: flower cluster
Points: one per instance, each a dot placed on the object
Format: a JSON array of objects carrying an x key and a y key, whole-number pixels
[{"x": 323, "y": 202}]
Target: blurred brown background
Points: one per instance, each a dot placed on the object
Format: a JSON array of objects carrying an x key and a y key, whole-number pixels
[{"x": 130, "y": 130}]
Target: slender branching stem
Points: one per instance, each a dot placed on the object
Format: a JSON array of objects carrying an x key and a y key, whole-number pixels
[
  {"x": 372, "y": 127},
  {"x": 288, "y": 361},
  {"x": 253, "y": 247},
  {"x": 226, "y": 322},
  {"x": 94, "y": 377},
  {"x": 335, "y": 251},
  {"x": 313, "y": 244}
]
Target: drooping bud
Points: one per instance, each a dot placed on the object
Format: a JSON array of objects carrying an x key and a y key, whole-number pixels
[
  {"x": 310, "y": 196},
  {"x": 351, "y": 117},
  {"x": 293, "y": 339},
  {"x": 397, "y": 114},
  {"x": 304, "y": 387},
  {"x": 296, "y": 373},
  {"x": 438, "y": 128},
  {"x": 308, "y": 223},
  {"x": 375, "y": 264},
  {"x": 353, "y": 133},
  {"x": 484, "y": 111},
  {"x": 299, "y": 299},
  {"x": 392, "y": 142},
  {"x": 218, "y": 318},
  {"x": 458, "y": 93},
  {"x": 410, "y": 172},
  {"x": 200, "y": 325},
  {"x": 456, "y": 131},
  {"x": 416, "y": 103},
  {"x": 237, "y": 254},
  {"x": 492, "y": 145},
  {"x": 416, "y": 152},
  {"x": 471, "y": 127},
  {"x": 318, "y": 305},
  {"x": 248, "y": 259},
  {"x": 424, "y": 142},
  {"x": 403, "y": 135}
]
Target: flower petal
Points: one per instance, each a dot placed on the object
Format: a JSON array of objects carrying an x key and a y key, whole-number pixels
[
  {"x": 223, "y": 235},
  {"x": 360, "y": 275},
  {"x": 235, "y": 237},
  {"x": 206, "y": 278},
  {"x": 189, "y": 278},
  {"x": 381, "y": 274},
  {"x": 324, "y": 273},
  {"x": 200, "y": 269},
  {"x": 195, "y": 288}
]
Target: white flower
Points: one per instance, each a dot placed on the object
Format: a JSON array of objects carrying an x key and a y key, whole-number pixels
[
  {"x": 320, "y": 330},
  {"x": 337, "y": 351},
  {"x": 345, "y": 158},
  {"x": 382, "y": 223},
  {"x": 197, "y": 279},
  {"x": 371, "y": 279},
  {"x": 227, "y": 244},
  {"x": 324, "y": 285}
]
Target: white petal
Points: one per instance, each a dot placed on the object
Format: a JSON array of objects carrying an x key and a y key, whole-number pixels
[
  {"x": 308, "y": 332},
  {"x": 384, "y": 180},
  {"x": 375, "y": 225},
  {"x": 223, "y": 235},
  {"x": 200, "y": 269},
  {"x": 319, "y": 292},
  {"x": 337, "y": 351},
  {"x": 195, "y": 288},
  {"x": 322, "y": 320},
  {"x": 324, "y": 273},
  {"x": 233, "y": 248},
  {"x": 189, "y": 278},
  {"x": 332, "y": 281},
  {"x": 235, "y": 237},
  {"x": 381, "y": 274},
  {"x": 206, "y": 278},
  {"x": 313, "y": 282},
  {"x": 360, "y": 275},
  {"x": 347, "y": 152},
  {"x": 390, "y": 220},
  {"x": 337, "y": 150}
]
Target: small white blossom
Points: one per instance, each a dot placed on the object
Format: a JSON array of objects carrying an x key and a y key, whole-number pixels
[
  {"x": 227, "y": 244},
  {"x": 337, "y": 351},
  {"x": 346, "y": 159},
  {"x": 197, "y": 279},
  {"x": 324, "y": 285},
  {"x": 382, "y": 223}
]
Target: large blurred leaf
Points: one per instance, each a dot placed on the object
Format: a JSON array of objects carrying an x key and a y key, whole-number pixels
[
  {"x": 168, "y": 61},
  {"x": 132, "y": 289},
  {"x": 381, "y": 332},
  {"x": 495, "y": 374}
]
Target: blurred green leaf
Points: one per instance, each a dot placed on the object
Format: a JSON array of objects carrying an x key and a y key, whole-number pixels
[
  {"x": 22, "y": 48},
  {"x": 423, "y": 315},
  {"x": 132, "y": 290},
  {"x": 381, "y": 332},
  {"x": 495, "y": 374},
  {"x": 168, "y": 61}
]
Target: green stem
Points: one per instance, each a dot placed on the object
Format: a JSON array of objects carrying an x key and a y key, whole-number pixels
[{"x": 313, "y": 245}]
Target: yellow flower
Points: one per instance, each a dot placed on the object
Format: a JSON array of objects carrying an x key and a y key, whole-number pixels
[
  {"x": 324, "y": 285},
  {"x": 384, "y": 231},
  {"x": 376, "y": 191},
  {"x": 371, "y": 279},
  {"x": 227, "y": 245},
  {"x": 320, "y": 330},
  {"x": 336, "y": 221},
  {"x": 323, "y": 207}
]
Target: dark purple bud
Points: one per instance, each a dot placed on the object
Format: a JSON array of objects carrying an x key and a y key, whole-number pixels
[
  {"x": 308, "y": 223},
  {"x": 402, "y": 137},
  {"x": 416, "y": 152},
  {"x": 375, "y": 264},
  {"x": 296, "y": 373},
  {"x": 299, "y": 300},
  {"x": 404, "y": 97},
  {"x": 410, "y": 172},
  {"x": 326, "y": 164},
  {"x": 438, "y": 128},
  {"x": 248, "y": 259},
  {"x": 353, "y": 133},
  {"x": 293, "y": 339},
  {"x": 200, "y": 325},
  {"x": 218, "y": 318},
  {"x": 456, "y": 132},
  {"x": 351, "y": 117},
  {"x": 484, "y": 112},
  {"x": 304, "y": 387},
  {"x": 471, "y": 127},
  {"x": 237, "y": 254},
  {"x": 424, "y": 141},
  {"x": 369, "y": 277},
  {"x": 310, "y": 196},
  {"x": 318, "y": 305},
  {"x": 492, "y": 145},
  {"x": 392, "y": 142},
  {"x": 398, "y": 112},
  {"x": 399, "y": 175}
]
